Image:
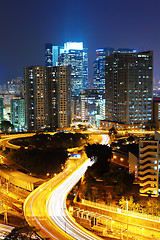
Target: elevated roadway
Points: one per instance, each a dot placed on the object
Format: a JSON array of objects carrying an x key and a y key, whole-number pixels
[{"x": 45, "y": 208}]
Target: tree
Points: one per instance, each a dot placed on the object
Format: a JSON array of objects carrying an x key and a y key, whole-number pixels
[
  {"x": 152, "y": 206},
  {"x": 102, "y": 155},
  {"x": 124, "y": 181},
  {"x": 123, "y": 203},
  {"x": 6, "y": 125},
  {"x": 130, "y": 139},
  {"x": 112, "y": 131},
  {"x": 22, "y": 233}
]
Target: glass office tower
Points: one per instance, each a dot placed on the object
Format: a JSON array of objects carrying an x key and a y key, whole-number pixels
[
  {"x": 71, "y": 55},
  {"x": 99, "y": 66},
  {"x": 129, "y": 87}
]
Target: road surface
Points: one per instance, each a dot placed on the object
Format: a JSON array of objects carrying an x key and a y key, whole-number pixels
[{"x": 45, "y": 208}]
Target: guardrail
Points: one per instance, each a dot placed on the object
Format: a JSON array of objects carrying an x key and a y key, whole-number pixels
[{"x": 120, "y": 210}]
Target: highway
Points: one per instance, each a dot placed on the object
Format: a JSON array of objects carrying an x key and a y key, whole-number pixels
[
  {"x": 4, "y": 230},
  {"x": 45, "y": 208}
]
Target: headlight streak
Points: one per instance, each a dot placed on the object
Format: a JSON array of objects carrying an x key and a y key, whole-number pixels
[
  {"x": 105, "y": 139},
  {"x": 40, "y": 189},
  {"x": 56, "y": 206}
]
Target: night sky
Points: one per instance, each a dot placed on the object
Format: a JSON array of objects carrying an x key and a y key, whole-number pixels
[{"x": 25, "y": 27}]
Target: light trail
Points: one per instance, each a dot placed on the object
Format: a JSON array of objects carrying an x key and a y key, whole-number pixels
[
  {"x": 45, "y": 208},
  {"x": 105, "y": 139},
  {"x": 59, "y": 215}
]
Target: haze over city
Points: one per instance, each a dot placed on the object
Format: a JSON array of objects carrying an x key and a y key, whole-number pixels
[{"x": 27, "y": 26}]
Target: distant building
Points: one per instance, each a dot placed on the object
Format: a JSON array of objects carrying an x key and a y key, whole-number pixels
[
  {"x": 92, "y": 106},
  {"x": 99, "y": 68},
  {"x": 51, "y": 54},
  {"x": 3, "y": 89},
  {"x": 129, "y": 87},
  {"x": 149, "y": 166},
  {"x": 71, "y": 55},
  {"x": 18, "y": 114},
  {"x": 47, "y": 97},
  {"x": 156, "y": 113},
  {"x": 106, "y": 125},
  {"x": 16, "y": 87},
  {"x": 48, "y": 55},
  {"x": 1, "y": 110},
  {"x": 7, "y": 105}
]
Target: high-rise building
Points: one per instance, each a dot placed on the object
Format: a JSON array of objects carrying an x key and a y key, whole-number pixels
[
  {"x": 1, "y": 110},
  {"x": 99, "y": 66},
  {"x": 7, "y": 105},
  {"x": 129, "y": 87},
  {"x": 16, "y": 86},
  {"x": 71, "y": 55},
  {"x": 156, "y": 113},
  {"x": 58, "y": 87},
  {"x": 47, "y": 97},
  {"x": 48, "y": 55},
  {"x": 34, "y": 81},
  {"x": 18, "y": 114},
  {"x": 92, "y": 106}
]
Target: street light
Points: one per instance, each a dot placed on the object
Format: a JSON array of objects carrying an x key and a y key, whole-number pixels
[{"x": 127, "y": 214}]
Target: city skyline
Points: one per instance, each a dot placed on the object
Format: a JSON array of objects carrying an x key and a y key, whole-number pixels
[{"x": 123, "y": 24}]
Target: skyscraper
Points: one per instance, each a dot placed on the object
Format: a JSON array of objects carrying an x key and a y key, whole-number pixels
[
  {"x": 16, "y": 87},
  {"x": 1, "y": 110},
  {"x": 18, "y": 113},
  {"x": 47, "y": 97},
  {"x": 91, "y": 106},
  {"x": 71, "y": 55},
  {"x": 129, "y": 87},
  {"x": 48, "y": 55},
  {"x": 58, "y": 92},
  {"x": 34, "y": 82},
  {"x": 99, "y": 66}
]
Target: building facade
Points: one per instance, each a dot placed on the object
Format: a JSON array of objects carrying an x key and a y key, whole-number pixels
[
  {"x": 18, "y": 114},
  {"x": 156, "y": 113},
  {"x": 148, "y": 172},
  {"x": 16, "y": 87},
  {"x": 58, "y": 92},
  {"x": 1, "y": 110},
  {"x": 73, "y": 55},
  {"x": 92, "y": 106},
  {"x": 34, "y": 81},
  {"x": 47, "y": 97},
  {"x": 99, "y": 66},
  {"x": 129, "y": 87}
]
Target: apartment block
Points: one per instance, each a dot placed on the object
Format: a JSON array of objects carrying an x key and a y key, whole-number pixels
[{"x": 148, "y": 172}]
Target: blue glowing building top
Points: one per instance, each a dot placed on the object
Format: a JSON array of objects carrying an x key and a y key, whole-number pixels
[{"x": 73, "y": 55}]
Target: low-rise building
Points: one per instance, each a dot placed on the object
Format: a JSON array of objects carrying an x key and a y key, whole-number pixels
[{"x": 149, "y": 166}]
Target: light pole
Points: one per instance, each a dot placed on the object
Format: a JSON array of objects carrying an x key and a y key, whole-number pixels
[
  {"x": 127, "y": 215},
  {"x": 127, "y": 219}
]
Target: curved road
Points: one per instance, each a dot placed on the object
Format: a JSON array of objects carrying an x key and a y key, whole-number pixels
[{"x": 45, "y": 207}]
